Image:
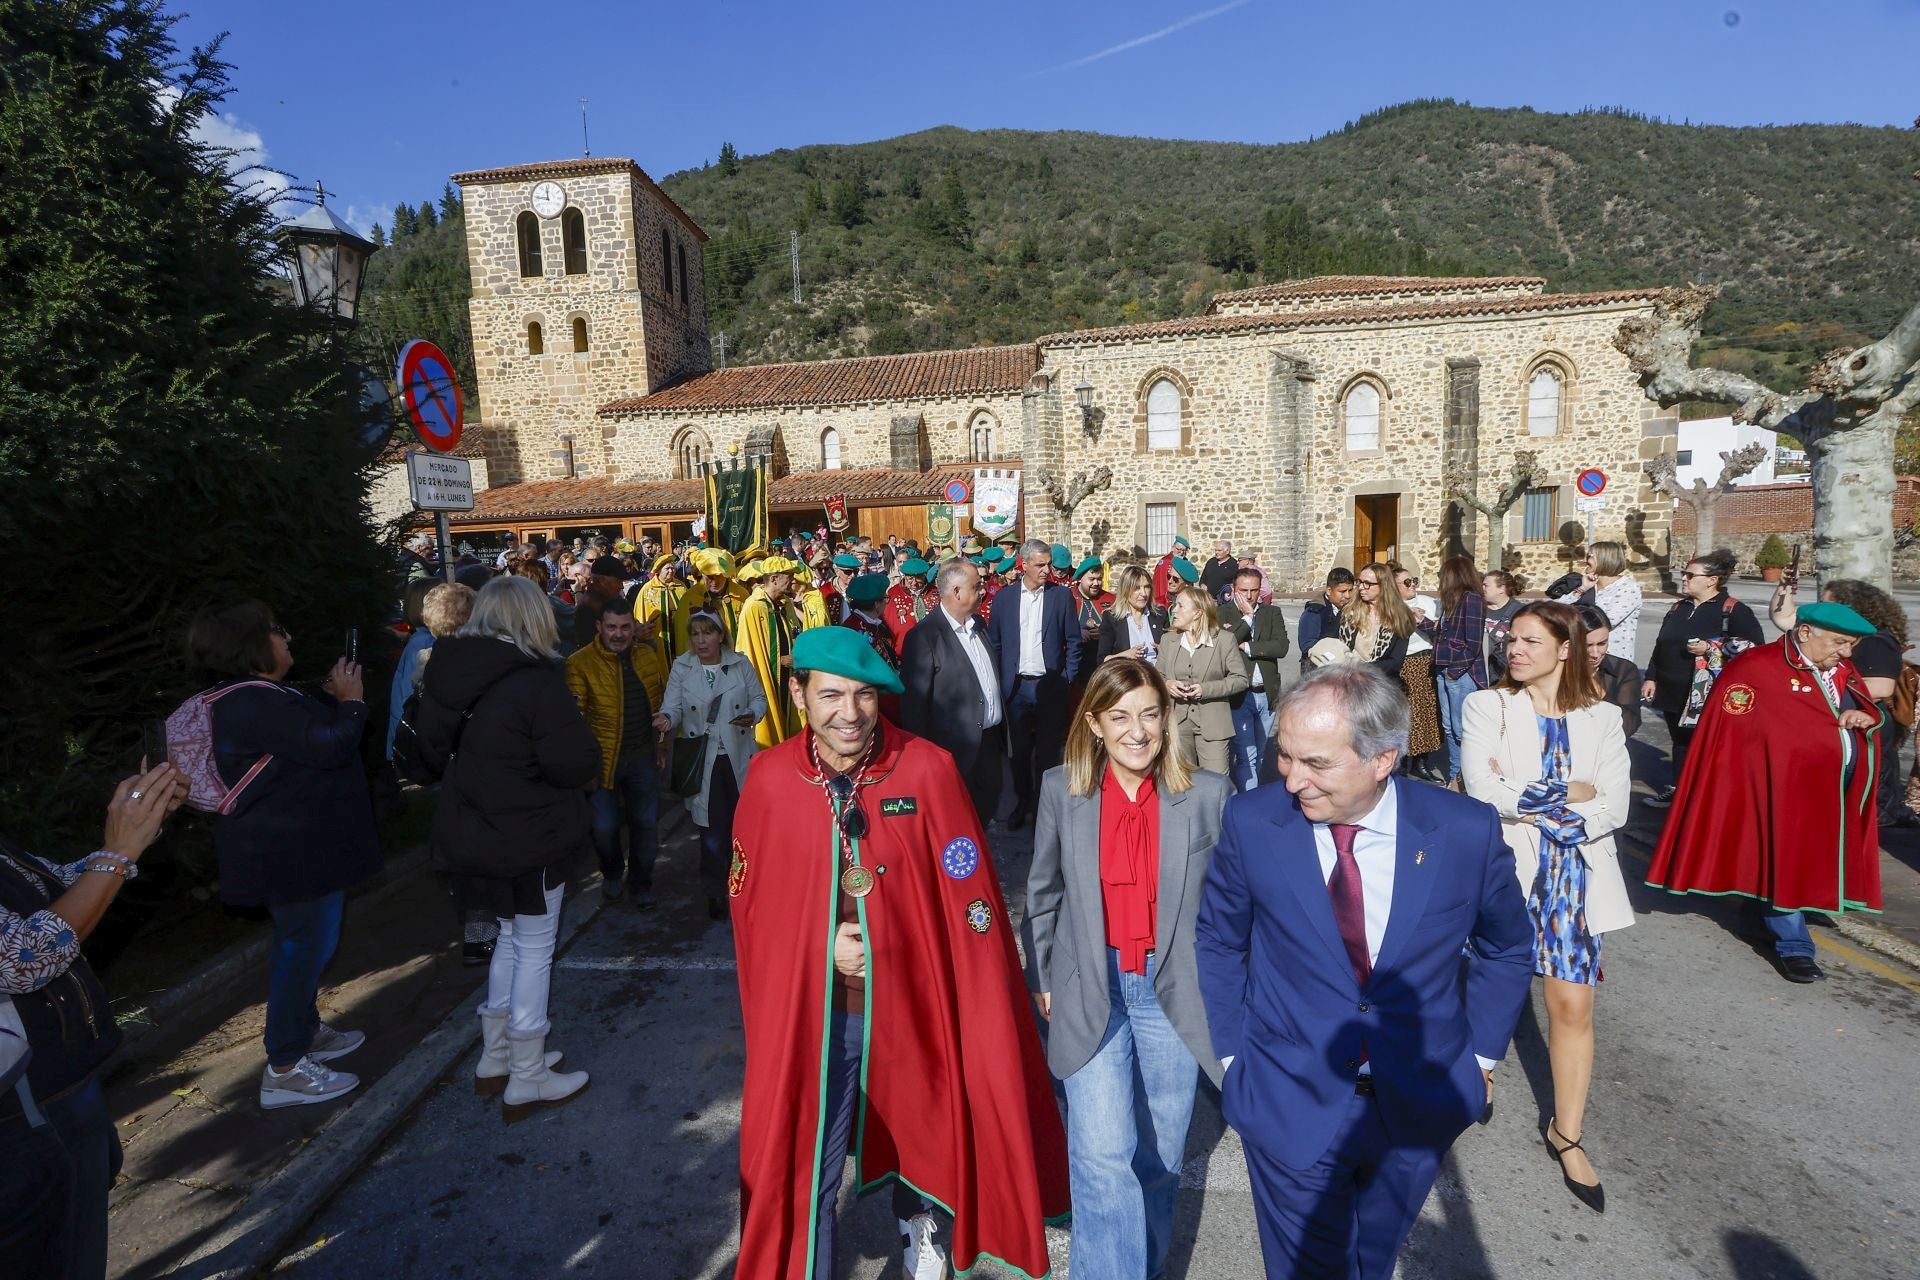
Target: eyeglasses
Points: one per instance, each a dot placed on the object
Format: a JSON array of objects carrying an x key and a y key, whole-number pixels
[
  {"x": 846, "y": 807},
  {"x": 1688, "y": 573},
  {"x": 277, "y": 630}
]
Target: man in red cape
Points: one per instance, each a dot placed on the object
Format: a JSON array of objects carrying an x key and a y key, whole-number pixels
[
  {"x": 909, "y": 599},
  {"x": 1777, "y": 799},
  {"x": 883, "y": 1001}
]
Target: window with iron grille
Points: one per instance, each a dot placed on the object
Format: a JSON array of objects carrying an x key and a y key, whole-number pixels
[
  {"x": 1536, "y": 521},
  {"x": 1162, "y": 524}
]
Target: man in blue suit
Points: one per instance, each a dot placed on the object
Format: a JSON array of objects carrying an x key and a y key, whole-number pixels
[
  {"x": 1330, "y": 941},
  {"x": 1035, "y": 635}
]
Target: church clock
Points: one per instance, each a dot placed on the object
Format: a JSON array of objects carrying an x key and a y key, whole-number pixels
[{"x": 549, "y": 198}]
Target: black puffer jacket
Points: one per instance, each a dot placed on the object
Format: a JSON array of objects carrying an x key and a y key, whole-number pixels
[{"x": 514, "y": 797}]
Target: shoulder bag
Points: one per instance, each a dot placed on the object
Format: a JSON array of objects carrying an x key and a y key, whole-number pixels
[{"x": 688, "y": 770}]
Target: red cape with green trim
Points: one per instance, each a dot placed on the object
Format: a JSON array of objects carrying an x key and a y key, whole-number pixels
[
  {"x": 957, "y": 1101},
  {"x": 1761, "y": 810}
]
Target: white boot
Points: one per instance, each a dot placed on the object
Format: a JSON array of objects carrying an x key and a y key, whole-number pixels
[
  {"x": 532, "y": 1085},
  {"x": 490, "y": 1077}
]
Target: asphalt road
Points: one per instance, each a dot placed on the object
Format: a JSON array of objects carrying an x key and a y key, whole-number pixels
[{"x": 1745, "y": 1128}]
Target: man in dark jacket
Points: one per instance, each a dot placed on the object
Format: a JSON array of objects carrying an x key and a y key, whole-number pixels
[
  {"x": 1035, "y": 635},
  {"x": 952, "y": 683},
  {"x": 1261, "y": 632},
  {"x": 1320, "y": 616}
]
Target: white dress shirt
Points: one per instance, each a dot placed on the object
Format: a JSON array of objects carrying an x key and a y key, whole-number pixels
[
  {"x": 967, "y": 631},
  {"x": 1033, "y": 616}
]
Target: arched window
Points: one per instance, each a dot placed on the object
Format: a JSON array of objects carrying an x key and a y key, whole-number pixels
[
  {"x": 527, "y": 230},
  {"x": 536, "y": 344},
  {"x": 691, "y": 448},
  {"x": 666, "y": 259},
  {"x": 1544, "y": 395},
  {"x": 685, "y": 292},
  {"x": 1362, "y": 408},
  {"x": 579, "y": 333},
  {"x": 980, "y": 434},
  {"x": 1163, "y": 415},
  {"x": 829, "y": 450},
  {"x": 573, "y": 237}
]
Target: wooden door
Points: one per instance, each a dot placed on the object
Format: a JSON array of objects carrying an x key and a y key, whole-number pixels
[{"x": 1376, "y": 528}]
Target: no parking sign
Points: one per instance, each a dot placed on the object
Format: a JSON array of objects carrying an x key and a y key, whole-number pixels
[
  {"x": 430, "y": 393},
  {"x": 1591, "y": 483}
]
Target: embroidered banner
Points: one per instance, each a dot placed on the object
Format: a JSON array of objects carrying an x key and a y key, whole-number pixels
[
  {"x": 996, "y": 501},
  {"x": 837, "y": 513}
]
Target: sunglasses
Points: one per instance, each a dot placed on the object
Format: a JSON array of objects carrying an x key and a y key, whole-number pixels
[
  {"x": 846, "y": 807},
  {"x": 277, "y": 630}
]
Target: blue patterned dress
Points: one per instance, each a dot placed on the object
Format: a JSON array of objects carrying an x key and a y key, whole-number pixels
[{"x": 1563, "y": 946}]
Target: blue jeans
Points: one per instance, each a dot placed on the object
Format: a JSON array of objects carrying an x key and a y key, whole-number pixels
[
  {"x": 1249, "y": 739},
  {"x": 53, "y": 1187},
  {"x": 1127, "y": 1113},
  {"x": 1791, "y": 936},
  {"x": 846, "y": 1037},
  {"x": 633, "y": 799},
  {"x": 304, "y": 937},
  {"x": 1453, "y": 697}
]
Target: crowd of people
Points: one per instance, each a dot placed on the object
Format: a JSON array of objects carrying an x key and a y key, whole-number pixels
[{"x": 1328, "y": 889}]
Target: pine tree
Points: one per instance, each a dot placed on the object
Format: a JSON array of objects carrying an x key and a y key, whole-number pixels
[
  {"x": 379, "y": 234},
  {"x": 426, "y": 219},
  {"x": 956, "y": 219},
  {"x": 450, "y": 210},
  {"x": 847, "y": 203},
  {"x": 729, "y": 160},
  {"x": 174, "y": 401},
  {"x": 403, "y": 221}
]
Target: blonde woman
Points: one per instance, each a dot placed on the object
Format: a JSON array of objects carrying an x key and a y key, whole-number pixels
[
  {"x": 1120, "y": 852},
  {"x": 519, "y": 760},
  {"x": 1205, "y": 671},
  {"x": 1133, "y": 627},
  {"x": 1615, "y": 594},
  {"x": 1380, "y": 628},
  {"x": 1547, "y": 750}
]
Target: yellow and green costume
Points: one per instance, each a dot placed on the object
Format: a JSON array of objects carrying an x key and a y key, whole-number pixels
[{"x": 764, "y": 637}]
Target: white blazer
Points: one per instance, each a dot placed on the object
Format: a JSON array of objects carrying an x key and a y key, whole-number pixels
[{"x": 1498, "y": 729}]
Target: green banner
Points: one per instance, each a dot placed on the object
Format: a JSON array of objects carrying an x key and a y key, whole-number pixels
[{"x": 737, "y": 509}]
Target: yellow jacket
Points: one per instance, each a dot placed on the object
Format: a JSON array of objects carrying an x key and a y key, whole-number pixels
[
  {"x": 593, "y": 674},
  {"x": 764, "y": 638}
]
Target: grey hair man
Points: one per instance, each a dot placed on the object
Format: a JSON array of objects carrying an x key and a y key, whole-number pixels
[
  {"x": 953, "y": 685},
  {"x": 1034, "y": 629}
]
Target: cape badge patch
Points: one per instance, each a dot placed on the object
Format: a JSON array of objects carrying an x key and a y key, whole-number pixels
[
  {"x": 898, "y": 806},
  {"x": 979, "y": 915},
  {"x": 959, "y": 858},
  {"x": 737, "y": 873},
  {"x": 1738, "y": 700}
]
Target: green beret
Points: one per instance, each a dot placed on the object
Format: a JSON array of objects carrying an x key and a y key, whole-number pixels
[
  {"x": 1831, "y": 615},
  {"x": 1062, "y": 557},
  {"x": 993, "y": 555},
  {"x": 845, "y": 561},
  {"x": 979, "y": 562},
  {"x": 1186, "y": 570},
  {"x": 1180, "y": 540},
  {"x": 1087, "y": 566},
  {"x": 915, "y": 567},
  {"x": 842, "y": 651},
  {"x": 867, "y": 588},
  {"x": 805, "y": 536}
]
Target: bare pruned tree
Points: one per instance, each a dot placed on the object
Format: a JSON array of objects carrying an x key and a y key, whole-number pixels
[
  {"x": 1525, "y": 474},
  {"x": 1701, "y": 496},
  {"x": 1846, "y": 416},
  {"x": 1065, "y": 497}
]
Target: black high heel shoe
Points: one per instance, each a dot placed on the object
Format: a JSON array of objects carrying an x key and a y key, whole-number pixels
[{"x": 1595, "y": 1196}]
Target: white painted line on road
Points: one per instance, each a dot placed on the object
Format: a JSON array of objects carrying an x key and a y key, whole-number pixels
[{"x": 646, "y": 964}]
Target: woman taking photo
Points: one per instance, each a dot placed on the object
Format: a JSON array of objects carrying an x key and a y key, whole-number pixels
[
  {"x": 1111, "y": 898},
  {"x": 1546, "y": 751},
  {"x": 1704, "y": 618},
  {"x": 1205, "y": 671},
  {"x": 1378, "y": 627},
  {"x": 1133, "y": 627},
  {"x": 300, "y": 831},
  {"x": 712, "y": 693},
  {"x": 1615, "y": 594},
  {"x": 513, "y": 813}
]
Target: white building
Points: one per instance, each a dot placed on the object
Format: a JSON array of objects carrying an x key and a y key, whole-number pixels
[{"x": 1703, "y": 440}]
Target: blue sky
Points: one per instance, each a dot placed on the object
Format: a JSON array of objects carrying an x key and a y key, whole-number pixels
[{"x": 413, "y": 92}]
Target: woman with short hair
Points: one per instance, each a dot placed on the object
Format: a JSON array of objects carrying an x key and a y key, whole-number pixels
[
  {"x": 1120, "y": 851},
  {"x": 1615, "y": 594},
  {"x": 300, "y": 832},
  {"x": 1134, "y": 625},
  {"x": 1547, "y": 751},
  {"x": 1496, "y": 588},
  {"x": 519, "y": 760},
  {"x": 1205, "y": 671},
  {"x": 713, "y": 692}
]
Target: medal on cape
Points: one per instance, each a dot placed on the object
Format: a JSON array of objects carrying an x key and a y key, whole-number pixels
[{"x": 856, "y": 881}]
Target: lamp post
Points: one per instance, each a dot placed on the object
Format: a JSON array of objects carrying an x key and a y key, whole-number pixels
[
  {"x": 1084, "y": 393},
  {"x": 326, "y": 261}
]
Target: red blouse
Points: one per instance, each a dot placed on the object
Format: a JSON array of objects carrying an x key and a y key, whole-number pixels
[{"x": 1129, "y": 869}]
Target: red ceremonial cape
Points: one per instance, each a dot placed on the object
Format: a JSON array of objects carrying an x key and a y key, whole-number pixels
[
  {"x": 880, "y": 636},
  {"x": 1162, "y": 579},
  {"x": 1761, "y": 810},
  {"x": 896, "y": 610},
  {"x": 956, "y": 1100}
]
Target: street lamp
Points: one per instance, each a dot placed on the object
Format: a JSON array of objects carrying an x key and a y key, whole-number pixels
[
  {"x": 326, "y": 260},
  {"x": 1084, "y": 392}
]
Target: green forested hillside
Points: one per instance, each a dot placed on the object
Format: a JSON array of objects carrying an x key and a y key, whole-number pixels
[{"x": 952, "y": 238}]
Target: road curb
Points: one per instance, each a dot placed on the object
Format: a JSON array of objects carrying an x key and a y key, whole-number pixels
[
  {"x": 1874, "y": 938},
  {"x": 258, "y": 1233}
]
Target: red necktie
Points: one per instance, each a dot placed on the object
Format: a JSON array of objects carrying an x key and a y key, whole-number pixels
[{"x": 1349, "y": 905}]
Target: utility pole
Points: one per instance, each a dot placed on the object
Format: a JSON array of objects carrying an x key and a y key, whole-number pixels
[
  {"x": 585, "y": 148},
  {"x": 720, "y": 350},
  {"x": 793, "y": 252}
]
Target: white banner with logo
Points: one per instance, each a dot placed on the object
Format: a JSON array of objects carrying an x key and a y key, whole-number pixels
[{"x": 996, "y": 501}]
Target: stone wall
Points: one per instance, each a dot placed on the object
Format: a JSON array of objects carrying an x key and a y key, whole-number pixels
[
  {"x": 1248, "y": 302},
  {"x": 391, "y": 500},
  {"x": 1748, "y": 514},
  {"x": 646, "y": 445}
]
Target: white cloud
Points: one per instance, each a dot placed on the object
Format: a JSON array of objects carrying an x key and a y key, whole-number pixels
[
  {"x": 244, "y": 149},
  {"x": 361, "y": 217},
  {"x": 1149, "y": 38}
]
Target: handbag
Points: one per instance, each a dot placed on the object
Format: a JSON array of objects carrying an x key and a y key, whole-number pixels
[{"x": 687, "y": 772}]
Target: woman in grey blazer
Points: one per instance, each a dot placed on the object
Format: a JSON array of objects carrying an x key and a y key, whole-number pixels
[
  {"x": 1120, "y": 850},
  {"x": 1205, "y": 671}
]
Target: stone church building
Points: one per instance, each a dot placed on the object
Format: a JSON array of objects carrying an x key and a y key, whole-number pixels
[{"x": 1311, "y": 422}]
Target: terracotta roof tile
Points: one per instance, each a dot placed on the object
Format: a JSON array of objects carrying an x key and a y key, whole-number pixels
[
  {"x": 405, "y": 442},
  {"x": 577, "y": 167},
  {"x": 1381, "y": 314},
  {"x": 918, "y": 374},
  {"x": 1343, "y": 286},
  {"x": 565, "y": 499}
]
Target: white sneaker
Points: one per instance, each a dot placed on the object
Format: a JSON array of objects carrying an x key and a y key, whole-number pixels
[
  {"x": 1661, "y": 798},
  {"x": 329, "y": 1044},
  {"x": 305, "y": 1082},
  {"x": 920, "y": 1253}
]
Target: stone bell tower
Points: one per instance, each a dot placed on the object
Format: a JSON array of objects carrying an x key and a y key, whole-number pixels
[{"x": 587, "y": 287}]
